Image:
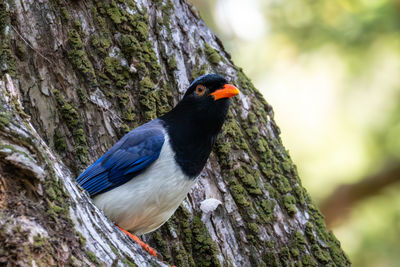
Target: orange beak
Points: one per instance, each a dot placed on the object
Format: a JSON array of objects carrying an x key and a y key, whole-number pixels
[{"x": 225, "y": 92}]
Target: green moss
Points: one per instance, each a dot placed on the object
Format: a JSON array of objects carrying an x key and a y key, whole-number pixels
[
  {"x": 204, "y": 250},
  {"x": 294, "y": 252},
  {"x": 65, "y": 15},
  {"x": 100, "y": 20},
  {"x": 57, "y": 209},
  {"x": 59, "y": 142},
  {"x": 51, "y": 193},
  {"x": 125, "y": 129},
  {"x": 318, "y": 221},
  {"x": 19, "y": 109},
  {"x": 198, "y": 70},
  {"x": 212, "y": 54},
  {"x": 4, "y": 119},
  {"x": 20, "y": 51},
  {"x": 77, "y": 25},
  {"x": 253, "y": 131},
  {"x": 239, "y": 193},
  {"x": 82, "y": 95},
  {"x": 70, "y": 115},
  {"x": 148, "y": 98},
  {"x": 320, "y": 254},
  {"x": 123, "y": 97},
  {"x": 261, "y": 145},
  {"x": 172, "y": 65},
  {"x": 288, "y": 202},
  {"x": 129, "y": 114},
  {"x": 269, "y": 256},
  {"x": 129, "y": 262},
  {"x": 82, "y": 239},
  {"x": 139, "y": 47},
  {"x": 114, "y": 13},
  {"x": 79, "y": 58},
  {"x": 268, "y": 207},
  {"x": 54, "y": 210},
  {"x": 337, "y": 254},
  {"x": 130, "y": 46},
  {"x": 299, "y": 195},
  {"x": 101, "y": 44},
  {"x": 266, "y": 169},
  {"x": 240, "y": 172},
  {"x": 166, "y": 10},
  {"x": 253, "y": 228},
  {"x": 4, "y": 17},
  {"x": 281, "y": 183},
  {"x": 7, "y": 60},
  {"x": 223, "y": 148},
  {"x": 141, "y": 29},
  {"x": 299, "y": 238},
  {"x": 55, "y": 192},
  {"x": 146, "y": 85},
  {"x": 39, "y": 241},
  {"x": 309, "y": 231},
  {"x": 271, "y": 259},
  {"x": 186, "y": 228},
  {"x": 253, "y": 188},
  {"x": 247, "y": 178},
  {"x": 80, "y": 135},
  {"x": 92, "y": 257},
  {"x": 118, "y": 73},
  {"x": 136, "y": 44},
  {"x": 181, "y": 257},
  {"x": 252, "y": 118},
  {"x": 284, "y": 256},
  {"x": 232, "y": 129},
  {"x": 73, "y": 261},
  {"x": 159, "y": 242},
  {"x": 308, "y": 260},
  {"x": 165, "y": 99},
  {"x": 287, "y": 165},
  {"x": 75, "y": 40}
]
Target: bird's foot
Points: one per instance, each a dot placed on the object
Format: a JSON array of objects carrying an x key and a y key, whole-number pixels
[{"x": 146, "y": 247}]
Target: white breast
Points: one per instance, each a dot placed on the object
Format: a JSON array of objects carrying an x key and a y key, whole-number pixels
[{"x": 148, "y": 200}]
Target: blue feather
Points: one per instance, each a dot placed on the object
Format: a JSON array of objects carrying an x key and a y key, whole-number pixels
[{"x": 136, "y": 151}]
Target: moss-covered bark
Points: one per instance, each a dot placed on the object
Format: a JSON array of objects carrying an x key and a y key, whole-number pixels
[{"x": 87, "y": 72}]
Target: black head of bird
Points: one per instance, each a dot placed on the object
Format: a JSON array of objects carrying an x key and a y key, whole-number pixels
[{"x": 205, "y": 104}]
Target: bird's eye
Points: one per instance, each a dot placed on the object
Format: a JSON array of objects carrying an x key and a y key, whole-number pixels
[{"x": 200, "y": 90}]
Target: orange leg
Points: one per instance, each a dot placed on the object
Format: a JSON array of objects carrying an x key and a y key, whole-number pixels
[{"x": 146, "y": 247}]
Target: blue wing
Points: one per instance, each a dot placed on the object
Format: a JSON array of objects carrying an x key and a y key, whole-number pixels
[{"x": 126, "y": 159}]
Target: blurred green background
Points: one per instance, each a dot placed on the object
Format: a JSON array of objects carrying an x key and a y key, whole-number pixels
[{"x": 331, "y": 70}]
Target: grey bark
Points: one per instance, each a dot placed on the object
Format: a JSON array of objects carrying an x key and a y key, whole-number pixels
[{"x": 76, "y": 76}]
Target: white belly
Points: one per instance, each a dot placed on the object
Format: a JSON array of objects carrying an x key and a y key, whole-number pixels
[{"x": 148, "y": 200}]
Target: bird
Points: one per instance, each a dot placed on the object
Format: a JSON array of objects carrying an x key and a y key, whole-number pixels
[{"x": 141, "y": 180}]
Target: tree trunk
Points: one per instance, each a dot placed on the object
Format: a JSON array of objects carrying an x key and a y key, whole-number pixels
[{"x": 75, "y": 77}]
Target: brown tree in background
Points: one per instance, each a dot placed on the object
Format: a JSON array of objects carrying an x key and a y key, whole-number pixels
[{"x": 75, "y": 77}]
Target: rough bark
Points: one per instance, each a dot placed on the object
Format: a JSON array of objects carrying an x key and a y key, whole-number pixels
[{"x": 76, "y": 76}]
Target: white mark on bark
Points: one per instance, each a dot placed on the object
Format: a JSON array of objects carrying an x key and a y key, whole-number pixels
[{"x": 209, "y": 205}]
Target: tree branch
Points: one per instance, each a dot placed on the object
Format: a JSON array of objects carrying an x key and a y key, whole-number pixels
[{"x": 339, "y": 204}]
